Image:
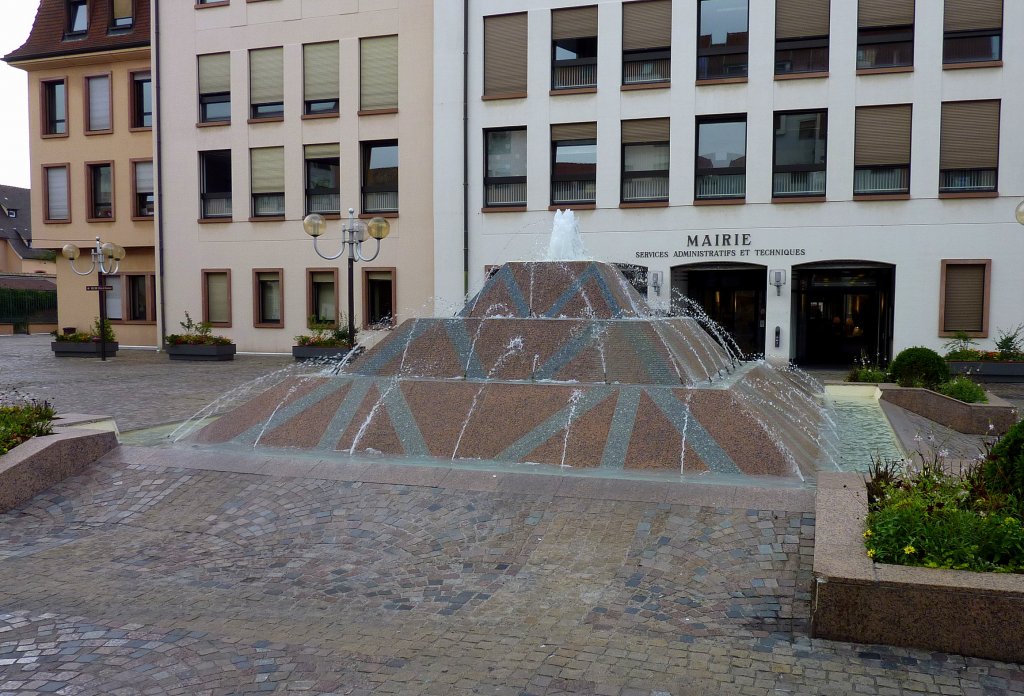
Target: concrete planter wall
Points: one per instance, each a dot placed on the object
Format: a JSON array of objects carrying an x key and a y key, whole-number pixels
[
  {"x": 988, "y": 371},
  {"x": 317, "y": 352},
  {"x": 972, "y": 419},
  {"x": 857, "y": 600},
  {"x": 201, "y": 352},
  {"x": 91, "y": 349}
]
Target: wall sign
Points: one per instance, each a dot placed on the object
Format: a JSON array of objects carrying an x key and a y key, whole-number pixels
[{"x": 721, "y": 245}]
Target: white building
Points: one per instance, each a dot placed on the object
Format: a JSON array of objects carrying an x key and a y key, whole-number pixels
[{"x": 834, "y": 182}]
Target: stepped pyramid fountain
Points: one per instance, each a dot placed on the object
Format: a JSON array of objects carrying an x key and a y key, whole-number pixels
[{"x": 555, "y": 363}]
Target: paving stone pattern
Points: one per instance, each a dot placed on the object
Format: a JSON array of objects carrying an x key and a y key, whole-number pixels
[{"x": 136, "y": 578}]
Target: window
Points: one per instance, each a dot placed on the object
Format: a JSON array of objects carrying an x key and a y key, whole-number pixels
[
  {"x": 378, "y": 74},
  {"x": 573, "y": 163},
  {"x": 98, "y": 95},
  {"x": 215, "y": 88},
  {"x": 266, "y": 83},
  {"x": 114, "y": 298},
  {"x": 379, "y": 298},
  {"x": 217, "y": 297},
  {"x": 215, "y": 183},
  {"x": 801, "y": 36},
  {"x": 323, "y": 179},
  {"x": 645, "y": 158},
  {"x": 646, "y": 42},
  {"x": 969, "y": 147},
  {"x": 574, "y": 48},
  {"x": 78, "y": 17},
  {"x": 267, "y": 169},
  {"x": 322, "y": 295},
  {"x": 882, "y": 150},
  {"x": 965, "y": 297},
  {"x": 721, "y": 167},
  {"x": 123, "y": 15},
  {"x": 55, "y": 107},
  {"x": 380, "y": 177},
  {"x": 142, "y": 100},
  {"x": 505, "y": 55},
  {"x": 973, "y": 31},
  {"x": 885, "y": 34},
  {"x": 799, "y": 154},
  {"x": 268, "y": 305},
  {"x": 505, "y": 177},
  {"x": 320, "y": 75},
  {"x": 133, "y": 297},
  {"x": 101, "y": 190},
  {"x": 722, "y": 40},
  {"x": 56, "y": 195},
  {"x": 144, "y": 200}
]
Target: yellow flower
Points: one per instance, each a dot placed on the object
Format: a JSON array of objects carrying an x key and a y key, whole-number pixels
[
  {"x": 867, "y": 534},
  {"x": 908, "y": 549},
  {"x": 871, "y": 553}
]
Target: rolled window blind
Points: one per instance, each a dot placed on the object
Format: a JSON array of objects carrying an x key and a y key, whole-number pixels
[
  {"x": 646, "y": 25},
  {"x": 967, "y": 15},
  {"x": 113, "y": 296},
  {"x": 270, "y": 296},
  {"x": 964, "y": 302},
  {"x": 378, "y": 73},
  {"x": 574, "y": 23},
  {"x": 505, "y": 54},
  {"x": 883, "y": 135},
  {"x": 323, "y": 151},
  {"x": 267, "y": 169},
  {"x": 266, "y": 76},
  {"x": 320, "y": 69},
  {"x": 797, "y": 19},
  {"x": 885, "y": 13},
  {"x": 122, "y": 8},
  {"x": 144, "y": 177},
  {"x": 970, "y": 135},
  {"x": 218, "y": 309},
  {"x": 57, "y": 193},
  {"x": 215, "y": 73},
  {"x": 645, "y": 130},
  {"x": 99, "y": 103},
  {"x": 574, "y": 131}
]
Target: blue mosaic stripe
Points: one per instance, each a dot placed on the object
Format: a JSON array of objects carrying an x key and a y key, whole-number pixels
[
  {"x": 404, "y": 422},
  {"x": 569, "y": 351},
  {"x": 463, "y": 344},
  {"x": 285, "y": 414},
  {"x": 522, "y": 447},
  {"x": 392, "y": 347},
  {"x": 346, "y": 412},
  {"x": 694, "y": 433},
  {"x": 621, "y": 430}
]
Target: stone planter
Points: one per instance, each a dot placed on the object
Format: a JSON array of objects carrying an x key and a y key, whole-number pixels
[
  {"x": 201, "y": 352},
  {"x": 997, "y": 416},
  {"x": 317, "y": 353},
  {"x": 988, "y": 370},
  {"x": 90, "y": 349},
  {"x": 857, "y": 600}
]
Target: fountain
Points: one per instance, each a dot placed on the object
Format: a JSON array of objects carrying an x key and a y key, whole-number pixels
[{"x": 559, "y": 363}]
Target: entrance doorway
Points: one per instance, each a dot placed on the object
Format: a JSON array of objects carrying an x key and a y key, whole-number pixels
[
  {"x": 733, "y": 295},
  {"x": 843, "y": 312},
  {"x": 379, "y": 298}
]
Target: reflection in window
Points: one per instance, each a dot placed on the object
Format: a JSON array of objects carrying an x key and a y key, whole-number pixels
[
  {"x": 505, "y": 178},
  {"x": 721, "y": 167},
  {"x": 268, "y": 296},
  {"x": 380, "y": 177},
  {"x": 323, "y": 179},
  {"x": 142, "y": 100},
  {"x": 101, "y": 191},
  {"x": 574, "y": 48},
  {"x": 215, "y": 169},
  {"x": 573, "y": 168},
  {"x": 323, "y": 307},
  {"x": 55, "y": 104},
  {"x": 78, "y": 16},
  {"x": 799, "y": 154},
  {"x": 722, "y": 41}
]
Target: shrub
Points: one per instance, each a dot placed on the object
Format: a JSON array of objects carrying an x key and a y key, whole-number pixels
[
  {"x": 961, "y": 347},
  {"x": 919, "y": 367},
  {"x": 326, "y": 335},
  {"x": 1003, "y": 468},
  {"x": 106, "y": 330},
  {"x": 19, "y": 422},
  {"x": 1009, "y": 343},
  {"x": 963, "y": 389},
  {"x": 196, "y": 334},
  {"x": 867, "y": 373}
]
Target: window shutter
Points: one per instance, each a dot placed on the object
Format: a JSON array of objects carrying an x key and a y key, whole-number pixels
[
  {"x": 885, "y": 13},
  {"x": 970, "y": 135},
  {"x": 797, "y": 19},
  {"x": 967, "y": 15},
  {"x": 122, "y": 8},
  {"x": 378, "y": 73},
  {"x": 215, "y": 73},
  {"x": 645, "y": 130},
  {"x": 267, "y": 169},
  {"x": 574, "y": 131},
  {"x": 321, "y": 70},
  {"x": 57, "y": 193},
  {"x": 505, "y": 59},
  {"x": 266, "y": 76},
  {"x": 144, "y": 177},
  {"x": 574, "y": 23},
  {"x": 323, "y": 151},
  {"x": 218, "y": 311},
  {"x": 964, "y": 301},
  {"x": 883, "y": 135},
  {"x": 646, "y": 25},
  {"x": 99, "y": 103}
]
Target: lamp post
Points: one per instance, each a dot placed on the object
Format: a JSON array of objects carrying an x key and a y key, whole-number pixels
[
  {"x": 106, "y": 258},
  {"x": 353, "y": 234},
  {"x": 1019, "y": 212}
]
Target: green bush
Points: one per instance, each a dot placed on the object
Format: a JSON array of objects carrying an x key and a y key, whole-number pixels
[
  {"x": 1003, "y": 468},
  {"x": 1009, "y": 343},
  {"x": 919, "y": 367},
  {"x": 963, "y": 389},
  {"x": 196, "y": 333},
  {"x": 867, "y": 373},
  {"x": 19, "y": 422}
]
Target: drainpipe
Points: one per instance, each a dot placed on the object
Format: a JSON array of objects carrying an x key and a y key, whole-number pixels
[
  {"x": 465, "y": 147},
  {"x": 155, "y": 59}
]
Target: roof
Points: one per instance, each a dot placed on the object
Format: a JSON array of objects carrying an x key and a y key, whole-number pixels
[
  {"x": 21, "y": 248},
  {"x": 23, "y": 282},
  {"x": 48, "y": 37},
  {"x": 19, "y": 199}
]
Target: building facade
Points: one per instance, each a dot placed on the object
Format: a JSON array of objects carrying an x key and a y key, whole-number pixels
[
  {"x": 91, "y": 114},
  {"x": 276, "y": 109},
  {"x": 829, "y": 181}
]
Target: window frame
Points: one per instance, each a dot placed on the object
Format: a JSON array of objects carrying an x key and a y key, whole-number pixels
[
  {"x": 136, "y": 215},
  {"x": 125, "y": 300},
  {"x": 307, "y": 191},
  {"x": 366, "y": 294},
  {"x": 138, "y": 113},
  {"x": 45, "y": 107},
  {"x": 365, "y": 148},
  {"x": 644, "y": 174},
  {"x": 66, "y": 166},
  {"x": 873, "y": 195},
  {"x": 90, "y": 191},
  {"x": 972, "y": 34},
  {"x": 987, "y": 263},
  {"x": 69, "y": 25},
  {"x": 948, "y": 192},
  {"x": 897, "y": 34},
  {"x": 310, "y": 300},
  {"x": 307, "y": 104},
  {"x": 555, "y": 144},
  {"x": 795, "y": 168},
  {"x": 725, "y": 50},
  {"x": 203, "y": 193},
  {"x": 87, "y": 101},
  {"x": 725, "y": 171},
  {"x": 489, "y": 181},
  {"x": 206, "y": 296},
  {"x": 803, "y": 44},
  {"x": 206, "y": 98},
  {"x": 254, "y": 196},
  {"x": 114, "y": 26},
  {"x": 257, "y": 299}
]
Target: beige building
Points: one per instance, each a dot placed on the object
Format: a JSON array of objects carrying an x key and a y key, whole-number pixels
[
  {"x": 90, "y": 114},
  {"x": 270, "y": 111}
]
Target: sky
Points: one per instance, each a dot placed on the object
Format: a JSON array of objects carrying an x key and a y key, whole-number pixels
[{"x": 14, "y": 163}]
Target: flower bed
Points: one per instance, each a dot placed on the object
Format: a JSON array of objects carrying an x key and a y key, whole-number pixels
[
  {"x": 198, "y": 342},
  {"x": 21, "y": 421}
]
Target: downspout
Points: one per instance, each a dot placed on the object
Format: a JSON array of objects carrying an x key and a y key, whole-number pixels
[
  {"x": 155, "y": 53},
  {"x": 465, "y": 147}
]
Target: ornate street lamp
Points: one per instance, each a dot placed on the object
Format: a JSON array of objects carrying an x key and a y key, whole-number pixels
[
  {"x": 106, "y": 258},
  {"x": 1020, "y": 212},
  {"x": 353, "y": 234}
]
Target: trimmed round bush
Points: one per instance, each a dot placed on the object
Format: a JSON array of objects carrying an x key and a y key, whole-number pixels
[
  {"x": 963, "y": 389},
  {"x": 1003, "y": 469},
  {"x": 919, "y": 367}
]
